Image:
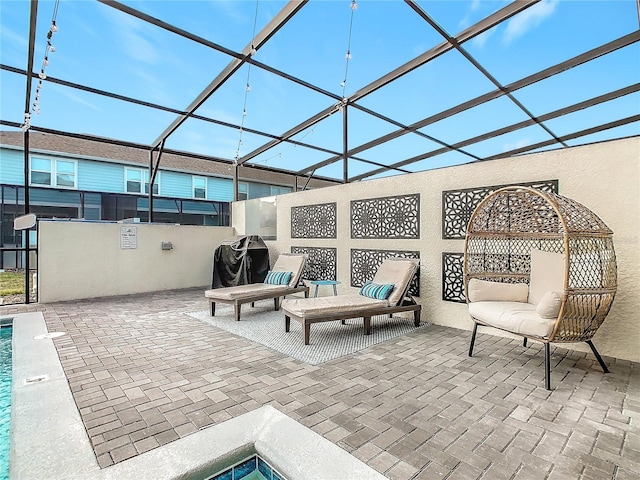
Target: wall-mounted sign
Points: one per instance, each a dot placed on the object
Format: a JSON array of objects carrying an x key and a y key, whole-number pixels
[
  {"x": 24, "y": 222},
  {"x": 128, "y": 237}
]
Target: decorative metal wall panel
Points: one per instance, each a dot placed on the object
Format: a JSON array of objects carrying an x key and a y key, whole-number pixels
[
  {"x": 314, "y": 221},
  {"x": 387, "y": 217},
  {"x": 453, "y": 277},
  {"x": 321, "y": 264},
  {"x": 458, "y": 205},
  {"x": 365, "y": 263}
]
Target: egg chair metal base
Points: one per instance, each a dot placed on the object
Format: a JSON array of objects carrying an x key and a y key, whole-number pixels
[{"x": 547, "y": 355}]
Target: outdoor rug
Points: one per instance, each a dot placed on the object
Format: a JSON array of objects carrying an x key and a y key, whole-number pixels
[{"x": 328, "y": 340}]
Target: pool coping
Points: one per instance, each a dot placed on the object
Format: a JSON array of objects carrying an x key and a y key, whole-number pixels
[{"x": 64, "y": 450}]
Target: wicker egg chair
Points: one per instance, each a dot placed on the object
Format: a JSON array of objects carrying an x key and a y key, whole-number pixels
[{"x": 502, "y": 233}]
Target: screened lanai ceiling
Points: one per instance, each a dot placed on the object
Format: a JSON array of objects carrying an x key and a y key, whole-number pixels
[{"x": 342, "y": 90}]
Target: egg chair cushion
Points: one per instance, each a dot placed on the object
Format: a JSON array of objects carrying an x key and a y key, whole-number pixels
[
  {"x": 484, "y": 290},
  {"x": 515, "y": 317},
  {"x": 549, "y": 305},
  {"x": 547, "y": 274}
]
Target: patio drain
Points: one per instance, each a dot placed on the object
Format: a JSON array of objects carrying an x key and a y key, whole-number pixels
[
  {"x": 35, "y": 379},
  {"x": 49, "y": 335}
]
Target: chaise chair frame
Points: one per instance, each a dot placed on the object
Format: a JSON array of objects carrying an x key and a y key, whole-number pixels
[
  {"x": 258, "y": 291},
  {"x": 407, "y": 303}
]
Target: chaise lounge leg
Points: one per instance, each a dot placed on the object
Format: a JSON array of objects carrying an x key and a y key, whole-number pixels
[
  {"x": 287, "y": 324},
  {"x": 473, "y": 338},
  {"x": 598, "y": 357},
  {"x": 547, "y": 366},
  {"x": 213, "y": 308},
  {"x": 237, "y": 309},
  {"x": 416, "y": 317},
  {"x": 307, "y": 333},
  {"x": 276, "y": 303},
  {"x": 367, "y": 325},
  {"x": 524, "y": 342}
]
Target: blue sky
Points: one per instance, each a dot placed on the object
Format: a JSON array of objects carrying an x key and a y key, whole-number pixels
[{"x": 103, "y": 48}]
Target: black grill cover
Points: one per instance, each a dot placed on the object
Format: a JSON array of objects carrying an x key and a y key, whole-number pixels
[{"x": 240, "y": 261}]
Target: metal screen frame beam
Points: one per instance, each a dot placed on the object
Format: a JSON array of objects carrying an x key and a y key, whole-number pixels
[
  {"x": 286, "y": 14},
  {"x": 571, "y": 136},
  {"x": 580, "y": 59},
  {"x": 431, "y": 54},
  {"x": 510, "y": 128},
  {"x": 283, "y": 16},
  {"x": 163, "y": 108},
  {"x": 426, "y": 17},
  {"x": 483, "y": 25},
  {"x": 145, "y": 147},
  {"x": 467, "y": 34},
  {"x": 33, "y": 20},
  {"x": 207, "y": 43}
]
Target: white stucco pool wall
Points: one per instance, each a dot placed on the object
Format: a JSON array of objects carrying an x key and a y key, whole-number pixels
[
  {"x": 84, "y": 259},
  {"x": 605, "y": 177}
]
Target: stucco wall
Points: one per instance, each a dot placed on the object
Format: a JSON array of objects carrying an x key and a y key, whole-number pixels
[
  {"x": 604, "y": 177},
  {"x": 84, "y": 259}
]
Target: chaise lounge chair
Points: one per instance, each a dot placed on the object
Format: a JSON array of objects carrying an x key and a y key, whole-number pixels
[
  {"x": 386, "y": 294},
  {"x": 283, "y": 279}
]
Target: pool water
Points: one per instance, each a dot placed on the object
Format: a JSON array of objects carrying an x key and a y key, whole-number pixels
[
  {"x": 5, "y": 399},
  {"x": 252, "y": 468}
]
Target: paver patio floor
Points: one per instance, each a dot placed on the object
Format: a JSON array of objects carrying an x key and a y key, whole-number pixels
[{"x": 144, "y": 374}]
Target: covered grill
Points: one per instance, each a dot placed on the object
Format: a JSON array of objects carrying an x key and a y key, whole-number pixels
[{"x": 240, "y": 261}]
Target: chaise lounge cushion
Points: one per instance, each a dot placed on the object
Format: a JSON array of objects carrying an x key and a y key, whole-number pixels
[
  {"x": 484, "y": 290},
  {"x": 399, "y": 272},
  {"x": 323, "y": 306},
  {"x": 290, "y": 263},
  {"x": 243, "y": 291},
  {"x": 516, "y": 317}
]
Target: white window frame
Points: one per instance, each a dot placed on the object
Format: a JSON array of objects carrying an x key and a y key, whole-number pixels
[
  {"x": 53, "y": 173},
  {"x": 195, "y": 178},
  {"x": 144, "y": 176}
]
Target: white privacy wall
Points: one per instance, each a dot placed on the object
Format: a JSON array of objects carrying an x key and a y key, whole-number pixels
[
  {"x": 79, "y": 259},
  {"x": 605, "y": 177}
]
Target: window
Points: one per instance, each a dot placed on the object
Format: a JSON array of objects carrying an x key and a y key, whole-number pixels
[
  {"x": 243, "y": 191},
  {"x": 65, "y": 174},
  {"x": 53, "y": 173},
  {"x": 199, "y": 187},
  {"x": 40, "y": 171},
  {"x": 134, "y": 178},
  {"x": 275, "y": 190}
]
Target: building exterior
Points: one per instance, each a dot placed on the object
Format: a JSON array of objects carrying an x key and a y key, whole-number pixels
[{"x": 78, "y": 178}]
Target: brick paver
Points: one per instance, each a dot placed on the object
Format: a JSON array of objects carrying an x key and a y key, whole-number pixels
[{"x": 144, "y": 374}]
